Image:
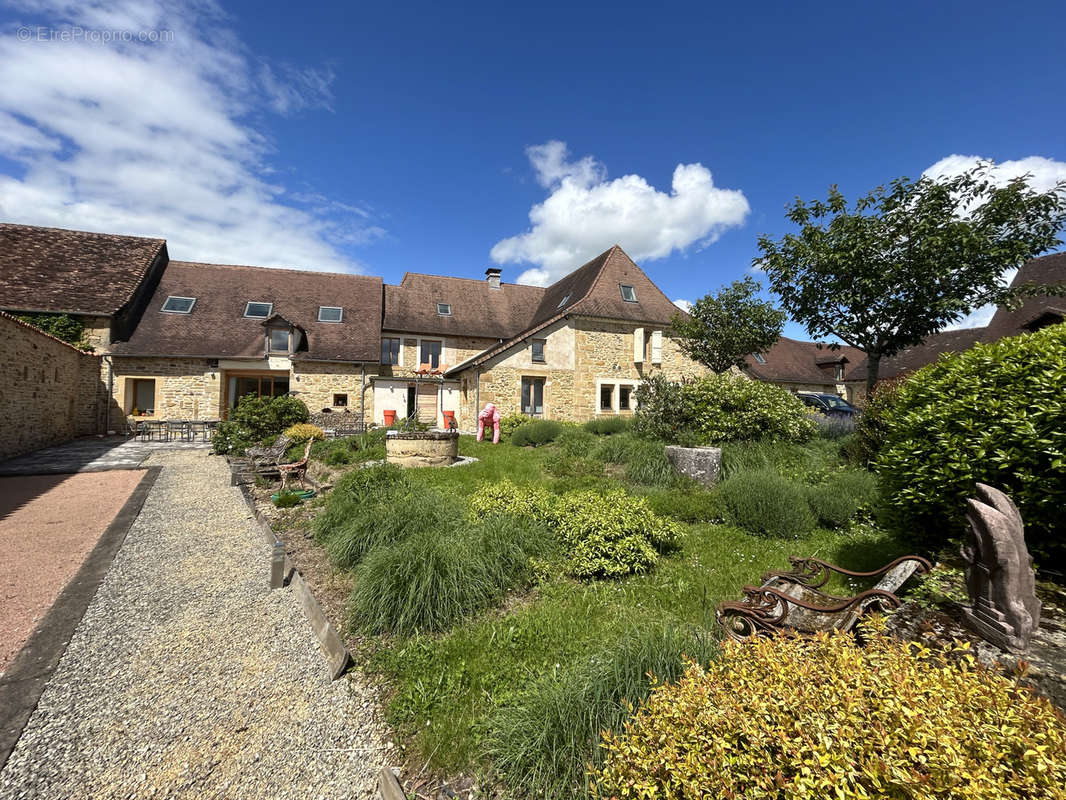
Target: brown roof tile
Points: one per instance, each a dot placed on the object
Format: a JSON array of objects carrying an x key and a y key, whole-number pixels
[
  {"x": 217, "y": 326},
  {"x": 795, "y": 361},
  {"x": 916, "y": 357},
  {"x": 53, "y": 270},
  {"x": 1044, "y": 271},
  {"x": 477, "y": 308}
]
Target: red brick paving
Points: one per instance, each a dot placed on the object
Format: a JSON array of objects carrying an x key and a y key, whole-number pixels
[{"x": 48, "y": 525}]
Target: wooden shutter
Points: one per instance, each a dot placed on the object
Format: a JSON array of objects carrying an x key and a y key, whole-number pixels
[
  {"x": 427, "y": 403},
  {"x": 638, "y": 345},
  {"x": 656, "y": 347}
]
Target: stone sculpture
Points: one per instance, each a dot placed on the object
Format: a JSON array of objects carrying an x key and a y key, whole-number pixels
[{"x": 999, "y": 573}]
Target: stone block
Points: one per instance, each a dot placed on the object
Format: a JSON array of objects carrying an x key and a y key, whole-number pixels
[{"x": 702, "y": 464}]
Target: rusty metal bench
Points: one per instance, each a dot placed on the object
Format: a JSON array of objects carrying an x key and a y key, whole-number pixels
[{"x": 792, "y": 600}]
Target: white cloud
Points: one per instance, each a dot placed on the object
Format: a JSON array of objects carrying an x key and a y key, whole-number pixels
[
  {"x": 584, "y": 214},
  {"x": 1044, "y": 172},
  {"x": 684, "y": 305},
  {"x": 160, "y": 138}
]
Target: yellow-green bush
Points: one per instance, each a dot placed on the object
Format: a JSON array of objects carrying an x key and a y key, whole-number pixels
[
  {"x": 603, "y": 534},
  {"x": 303, "y": 431},
  {"x": 816, "y": 718}
]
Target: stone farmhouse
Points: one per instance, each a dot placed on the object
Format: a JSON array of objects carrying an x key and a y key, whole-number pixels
[{"x": 186, "y": 340}]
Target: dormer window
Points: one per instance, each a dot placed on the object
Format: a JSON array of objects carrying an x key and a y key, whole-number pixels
[
  {"x": 179, "y": 305},
  {"x": 629, "y": 294},
  {"x": 564, "y": 301},
  {"x": 278, "y": 340},
  {"x": 258, "y": 310},
  {"x": 444, "y": 309},
  {"x": 330, "y": 314}
]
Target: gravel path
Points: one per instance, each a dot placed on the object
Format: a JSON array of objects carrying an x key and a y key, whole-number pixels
[{"x": 188, "y": 677}]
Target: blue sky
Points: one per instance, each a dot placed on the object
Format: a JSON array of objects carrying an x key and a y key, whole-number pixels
[{"x": 392, "y": 137}]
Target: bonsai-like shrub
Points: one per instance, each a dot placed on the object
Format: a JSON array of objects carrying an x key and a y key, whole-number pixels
[
  {"x": 766, "y": 503},
  {"x": 787, "y": 717},
  {"x": 303, "y": 431},
  {"x": 719, "y": 408},
  {"x": 536, "y": 432},
  {"x": 996, "y": 414}
]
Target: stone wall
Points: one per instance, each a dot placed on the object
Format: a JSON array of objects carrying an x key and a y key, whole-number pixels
[
  {"x": 185, "y": 388},
  {"x": 50, "y": 392},
  {"x": 317, "y": 383}
]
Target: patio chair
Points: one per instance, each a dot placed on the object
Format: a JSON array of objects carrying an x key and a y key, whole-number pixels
[
  {"x": 297, "y": 469},
  {"x": 197, "y": 428},
  {"x": 792, "y": 600}
]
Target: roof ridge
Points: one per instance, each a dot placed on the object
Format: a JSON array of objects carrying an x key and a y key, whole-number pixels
[
  {"x": 88, "y": 233},
  {"x": 458, "y": 278},
  {"x": 275, "y": 269}
]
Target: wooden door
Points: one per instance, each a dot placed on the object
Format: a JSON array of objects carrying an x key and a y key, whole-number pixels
[{"x": 427, "y": 403}]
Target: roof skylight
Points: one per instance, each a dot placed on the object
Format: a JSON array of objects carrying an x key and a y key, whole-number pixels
[
  {"x": 330, "y": 314},
  {"x": 564, "y": 301},
  {"x": 444, "y": 309},
  {"x": 178, "y": 305},
  {"x": 258, "y": 310},
  {"x": 629, "y": 294}
]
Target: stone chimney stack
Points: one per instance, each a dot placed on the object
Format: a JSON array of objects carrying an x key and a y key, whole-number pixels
[{"x": 492, "y": 275}]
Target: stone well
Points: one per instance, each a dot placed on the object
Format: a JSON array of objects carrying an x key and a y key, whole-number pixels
[{"x": 422, "y": 448}]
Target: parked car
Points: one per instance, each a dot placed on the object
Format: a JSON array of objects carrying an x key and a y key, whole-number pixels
[{"x": 828, "y": 404}]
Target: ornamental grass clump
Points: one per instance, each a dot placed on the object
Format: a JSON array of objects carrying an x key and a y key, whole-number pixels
[
  {"x": 536, "y": 433},
  {"x": 788, "y": 717},
  {"x": 605, "y": 426},
  {"x": 542, "y": 741}
]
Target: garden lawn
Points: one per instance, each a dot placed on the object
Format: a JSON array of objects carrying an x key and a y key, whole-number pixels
[{"x": 448, "y": 687}]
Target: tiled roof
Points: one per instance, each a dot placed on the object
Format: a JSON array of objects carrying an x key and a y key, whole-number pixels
[
  {"x": 795, "y": 361},
  {"x": 55, "y": 270},
  {"x": 918, "y": 356},
  {"x": 593, "y": 290},
  {"x": 217, "y": 326},
  {"x": 477, "y": 308},
  {"x": 1046, "y": 270}
]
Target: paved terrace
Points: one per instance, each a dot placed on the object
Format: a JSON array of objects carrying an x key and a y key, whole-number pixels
[
  {"x": 188, "y": 677},
  {"x": 91, "y": 454}
]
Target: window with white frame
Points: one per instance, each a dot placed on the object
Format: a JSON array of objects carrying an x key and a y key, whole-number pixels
[
  {"x": 629, "y": 294},
  {"x": 179, "y": 305},
  {"x": 614, "y": 397},
  {"x": 625, "y": 397},
  {"x": 444, "y": 309},
  {"x": 330, "y": 314},
  {"x": 607, "y": 397},
  {"x": 258, "y": 310},
  {"x": 278, "y": 340}
]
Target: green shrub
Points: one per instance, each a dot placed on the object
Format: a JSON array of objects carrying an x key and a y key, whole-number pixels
[
  {"x": 511, "y": 423},
  {"x": 791, "y": 717},
  {"x": 256, "y": 418},
  {"x": 765, "y": 503},
  {"x": 996, "y": 414},
  {"x": 576, "y": 442},
  {"x": 562, "y": 465},
  {"x": 536, "y": 433},
  {"x": 604, "y": 426},
  {"x": 836, "y": 502},
  {"x": 874, "y": 421},
  {"x": 648, "y": 465},
  {"x": 62, "y": 326},
  {"x": 439, "y": 575},
  {"x": 719, "y": 408},
  {"x": 601, "y": 533},
  {"x": 542, "y": 741},
  {"x": 610, "y": 534},
  {"x": 288, "y": 499},
  {"x": 617, "y": 449},
  {"x": 795, "y": 461},
  {"x": 686, "y": 506},
  {"x": 337, "y": 457}
]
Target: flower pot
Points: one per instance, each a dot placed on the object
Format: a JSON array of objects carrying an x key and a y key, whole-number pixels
[{"x": 390, "y": 417}]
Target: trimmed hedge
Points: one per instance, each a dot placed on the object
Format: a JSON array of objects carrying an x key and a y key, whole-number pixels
[
  {"x": 996, "y": 414},
  {"x": 788, "y": 717},
  {"x": 719, "y": 408}
]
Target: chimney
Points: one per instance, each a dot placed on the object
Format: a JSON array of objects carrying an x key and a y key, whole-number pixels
[{"x": 492, "y": 275}]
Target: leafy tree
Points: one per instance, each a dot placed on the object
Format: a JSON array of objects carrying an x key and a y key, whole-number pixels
[
  {"x": 906, "y": 261},
  {"x": 721, "y": 329},
  {"x": 62, "y": 326}
]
